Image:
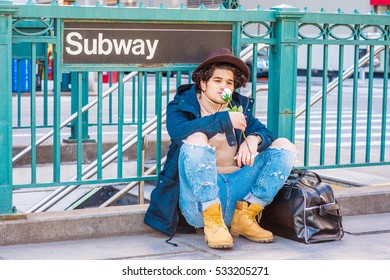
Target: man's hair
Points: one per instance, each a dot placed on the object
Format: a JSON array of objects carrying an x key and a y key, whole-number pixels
[{"x": 206, "y": 73}]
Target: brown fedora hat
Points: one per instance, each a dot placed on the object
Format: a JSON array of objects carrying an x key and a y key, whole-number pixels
[{"x": 223, "y": 55}]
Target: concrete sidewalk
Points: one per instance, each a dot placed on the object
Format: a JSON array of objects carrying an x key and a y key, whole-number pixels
[
  {"x": 118, "y": 232},
  {"x": 367, "y": 237}
]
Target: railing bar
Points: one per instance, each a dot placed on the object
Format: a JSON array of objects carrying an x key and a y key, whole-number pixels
[
  {"x": 133, "y": 106},
  {"x": 145, "y": 96},
  {"x": 139, "y": 125},
  {"x": 308, "y": 98},
  {"x": 56, "y": 131},
  {"x": 110, "y": 110},
  {"x": 178, "y": 79},
  {"x": 99, "y": 125},
  {"x": 324, "y": 104},
  {"x": 158, "y": 110},
  {"x": 339, "y": 104},
  {"x": 168, "y": 88},
  {"x": 189, "y": 80},
  {"x": 72, "y": 117},
  {"x": 254, "y": 75},
  {"x": 110, "y": 77},
  {"x": 44, "y": 83},
  {"x": 141, "y": 185},
  {"x": 120, "y": 124},
  {"x": 369, "y": 104},
  {"x": 354, "y": 105},
  {"x": 33, "y": 114},
  {"x": 384, "y": 104},
  {"x": 351, "y": 165},
  {"x": 28, "y": 39},
  {"x": 79, "y": 140}
]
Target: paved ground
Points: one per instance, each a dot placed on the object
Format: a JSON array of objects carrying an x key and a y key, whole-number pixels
[
  {"x": 363, "y": 251},
  {"x": 367, "y": 237}
]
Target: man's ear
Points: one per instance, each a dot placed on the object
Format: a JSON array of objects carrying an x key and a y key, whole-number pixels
[{"x": 203, "y": 85}]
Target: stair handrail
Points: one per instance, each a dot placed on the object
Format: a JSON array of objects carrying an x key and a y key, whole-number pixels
[
  {"x": 91, "y": 169},
  {"x": 74, "y": 116}
]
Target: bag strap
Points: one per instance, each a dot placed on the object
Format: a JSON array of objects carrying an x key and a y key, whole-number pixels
[
  {"x": 303, "y": 172},
  {"x": 324, "y": 212},
  {"x": 295, "y": 176}
]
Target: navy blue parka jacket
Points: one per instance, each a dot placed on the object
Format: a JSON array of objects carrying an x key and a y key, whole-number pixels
[{"x": 184, "y": 119}]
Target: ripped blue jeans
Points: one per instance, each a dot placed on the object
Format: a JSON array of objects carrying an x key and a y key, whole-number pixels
[{"x": 201, "y": 186}]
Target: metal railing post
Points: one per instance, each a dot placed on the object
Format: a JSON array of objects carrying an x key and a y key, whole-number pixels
[
  {"x": 75, "y": 91},
  {"x": 6, "y": 12},
  {"x": 283, "y": 74}
]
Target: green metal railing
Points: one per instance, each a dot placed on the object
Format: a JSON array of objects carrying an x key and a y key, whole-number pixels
[
  {"x": 352, "y": 100},
  {"x": 134, "y": 108}
]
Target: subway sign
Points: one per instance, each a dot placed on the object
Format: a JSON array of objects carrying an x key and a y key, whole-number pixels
[{"x": 145, "y": 44}]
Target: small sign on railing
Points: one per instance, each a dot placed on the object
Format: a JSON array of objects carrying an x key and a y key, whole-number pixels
[
  {"x": 142, "y": 43},
  {"x": 380, "y": 2}
]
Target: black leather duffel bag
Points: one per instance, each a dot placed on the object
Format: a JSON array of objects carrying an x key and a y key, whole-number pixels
[{"x": 304, "y": 210}]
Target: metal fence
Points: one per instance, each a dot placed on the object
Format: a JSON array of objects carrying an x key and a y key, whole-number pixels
[{"x": 319, "y": 109}]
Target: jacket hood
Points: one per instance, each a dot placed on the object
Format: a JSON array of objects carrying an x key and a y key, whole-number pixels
[{"x": 184, "y": 88}]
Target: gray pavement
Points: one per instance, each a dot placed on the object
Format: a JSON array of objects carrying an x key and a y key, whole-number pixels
[
  {"x": 367, "y": 237},
  {"x": 363, "y": 253}
]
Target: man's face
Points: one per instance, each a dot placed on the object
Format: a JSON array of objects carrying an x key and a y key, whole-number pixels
[{"x": 220, "y": 80}]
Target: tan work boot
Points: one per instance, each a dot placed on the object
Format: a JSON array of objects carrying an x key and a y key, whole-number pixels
[
  {"x": 244, "y": 223},
  {"x": 216, "y": 233}
]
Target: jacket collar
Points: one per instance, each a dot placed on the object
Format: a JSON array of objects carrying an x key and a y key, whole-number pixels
[{"x": 188, "y": 100}]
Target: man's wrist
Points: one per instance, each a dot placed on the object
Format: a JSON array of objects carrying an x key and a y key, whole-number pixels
[{"x": 259, "y": 139}]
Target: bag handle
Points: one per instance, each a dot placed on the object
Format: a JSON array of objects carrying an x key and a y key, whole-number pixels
[
  {"x": 303, "y": 172},
  {"x": 295, "y": 176}
]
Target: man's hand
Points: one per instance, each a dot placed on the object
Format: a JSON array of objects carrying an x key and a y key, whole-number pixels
[
  {"x": 238, "y": 120},
  {"x": 244, "y": 157}
]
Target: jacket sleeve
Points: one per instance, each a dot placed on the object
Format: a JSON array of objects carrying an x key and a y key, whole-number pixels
[
  {"x": 181, "y": 124},
  {"x": 254, "y": 126}
]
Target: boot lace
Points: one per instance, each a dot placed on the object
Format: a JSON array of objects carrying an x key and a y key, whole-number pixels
[
  {"x": 217, "y": 220},
  {"x": 254, "y": 216}
]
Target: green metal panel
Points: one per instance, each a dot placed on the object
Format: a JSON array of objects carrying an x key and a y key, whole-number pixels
[
  {"x": 282, "y": 28},
  {"x": 6, "y": 206},
  {"x": 23, "y": 50}
]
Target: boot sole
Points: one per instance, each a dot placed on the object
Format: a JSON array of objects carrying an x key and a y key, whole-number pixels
[
  {"x": 258, "y": 240},
  {"x": 219, "y": 245}
]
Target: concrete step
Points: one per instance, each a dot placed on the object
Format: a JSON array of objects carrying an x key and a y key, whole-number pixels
[{"x": 75, "y": 224}]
